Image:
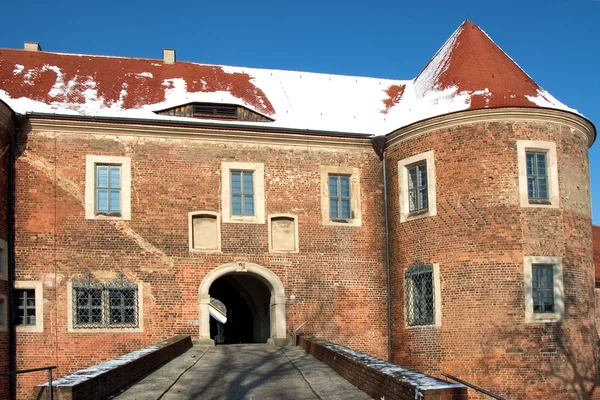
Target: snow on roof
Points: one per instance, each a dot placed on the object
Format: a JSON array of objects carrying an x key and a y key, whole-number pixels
[{"x": 469, "y": 72}]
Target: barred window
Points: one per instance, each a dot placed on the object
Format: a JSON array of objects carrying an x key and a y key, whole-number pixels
[
  {"x": 111, "y": 305},
  {"x": 417, "y": 189},
  {"x": 537, "y": 176},
  {"x": 543, "y": 288},
  {"x": 420, "y": 295}
]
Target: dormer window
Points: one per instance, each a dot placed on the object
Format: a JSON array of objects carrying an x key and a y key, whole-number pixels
[{"x": 215, "y": 111}]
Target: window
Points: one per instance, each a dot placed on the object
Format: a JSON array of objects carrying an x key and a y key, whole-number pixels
[
  {"x": 29, "y": 302},
  {"x": 3, "y": 313},
  {"x": 422, "y": 295},
  {"x": 113, "y": 305},
  {"x": 283, "y": 233},
  {"x": 3, "y": 260},
  {"x": 25, "y": 306},
  {"x": 537, "y": 177},
  {"x": 538, "y": 174},
  {"x": 417, "y": 189},
  {"x": 417, "y": 182},
  {"x": 544, "y": 294},
  {"x": 204, "y": 231},
  {"x": 243, "y": 192},
  {"x": 108, "y": 187},
  {"x": 542, "y": 288},
  {"x": 340, "y": 196}
]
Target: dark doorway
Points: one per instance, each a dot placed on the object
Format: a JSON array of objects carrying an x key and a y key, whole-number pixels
[{"x": 248, "y": 309}]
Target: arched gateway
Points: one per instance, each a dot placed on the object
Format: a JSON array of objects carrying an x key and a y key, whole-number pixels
[{"x": 277, "y": 304}]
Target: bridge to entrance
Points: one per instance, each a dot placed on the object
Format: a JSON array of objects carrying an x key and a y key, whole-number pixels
[{"x": 244, "y": 371}]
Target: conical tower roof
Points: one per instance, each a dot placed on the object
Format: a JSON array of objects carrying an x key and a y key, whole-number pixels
[{"x": 471, "y": 64}]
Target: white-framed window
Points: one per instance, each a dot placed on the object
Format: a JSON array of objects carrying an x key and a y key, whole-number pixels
[
  {"x": 3, "y": 313},
  {"x": 204, "y": 231},
  {"x": 283, "y": 233},
  {"x": 340, "y": 196},
  {"x": 417, "y": 184},
  {"x": 30, "y": 312},
  {"x": 538, "y": 174},
  {"x": 544, "y": 291},
  {"x": 107, "y": 187},
  {"x": 3, "y": 260},
  {"x": 423, "y": 306},
  {"x": 105, "y": 307},
  {"x": 243, "y": 192}
]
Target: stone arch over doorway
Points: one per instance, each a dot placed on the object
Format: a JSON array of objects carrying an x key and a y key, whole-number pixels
[{"x": 273, "y": 283}]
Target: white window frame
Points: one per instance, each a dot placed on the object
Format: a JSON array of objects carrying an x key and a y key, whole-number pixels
[
  {"x": 559, "y": 296},
  {"x": 403, "y": 166},
  {"x": 523, "y": 146},
  {"x": 191, "y": 216},
  {"x": 258, "y": 177},
  {"x": 296, "y": 243},
  {"x": 354, "y": 174},
  {"x": 437, "y": 299},
  {"x": 39, "y": 305},
  {"x": 116, "y": 328},
  {"x": 3, "y": 260},
  {"x": 4, "y": 311},
  {"x": 91, "y": 161}
]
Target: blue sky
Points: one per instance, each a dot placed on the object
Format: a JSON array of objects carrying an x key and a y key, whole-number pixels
[{"x": 557, "y": 42}]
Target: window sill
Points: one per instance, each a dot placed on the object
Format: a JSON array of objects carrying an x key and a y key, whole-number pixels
[
  {"x": 342, "y": 222},
  {"x": 238, "y": 219},
  {"x": 417, "y": 215},
  {"x": 545, "y": 318},
  {"x": 115, "y": 329},
  {"x": 107, "y": 217},
  {"x": 29, "y": 328},
  {"x": 542, "y": 202},
  {"x": 422, "y": 326},
  {"x": 205, "y": 251}
]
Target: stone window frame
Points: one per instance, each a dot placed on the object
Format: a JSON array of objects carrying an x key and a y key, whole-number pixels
[
  {"x": 258, "y": 176},
  {"x": 559, "y": 297},
  {"x": 355, "y": 200},
  {"x": 3, "y": 260},
  {"x": 90, "y": 186},
  {"x": 39, "y": 305},
  {"x": 523, "y": 146},
  {"x": 191, "y": 216},
  {"x": 295, "y": 218},
  {"x": 403, "y": 165},
  {"x": 4, "y": 312},
  {"x": 114, "y": 329},
  {"x": 437, "y": 299}
]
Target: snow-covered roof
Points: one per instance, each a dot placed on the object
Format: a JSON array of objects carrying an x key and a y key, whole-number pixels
[{"x": 469, "y": 72}]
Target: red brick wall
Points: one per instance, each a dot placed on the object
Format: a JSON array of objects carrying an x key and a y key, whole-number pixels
[
  {"x": 371, "y": 379},
  {"x": 338, "y": 277},
  {"x": 6, "y": 130},
  {"x": 479, "y": 238}
]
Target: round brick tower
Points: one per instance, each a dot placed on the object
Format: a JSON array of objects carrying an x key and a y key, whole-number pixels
[{"x": 492, "y": 276}]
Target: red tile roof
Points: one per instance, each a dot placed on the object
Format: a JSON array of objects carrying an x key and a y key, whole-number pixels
[{"x": 469, "y": 72}]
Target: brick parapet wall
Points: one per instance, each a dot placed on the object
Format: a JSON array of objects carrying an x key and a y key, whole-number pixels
[
  {"x": 97, "y": 383},
  {"x": 380, "y": 379},
  {"x": 479, "y": 238}
]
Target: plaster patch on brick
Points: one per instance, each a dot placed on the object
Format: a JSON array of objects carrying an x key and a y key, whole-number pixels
[{"x": 70, "y": 187}]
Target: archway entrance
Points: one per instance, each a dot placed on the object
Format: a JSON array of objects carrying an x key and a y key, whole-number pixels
[
  {"x": 258, "y": 296},
  {"x": 247, "y": 301}
]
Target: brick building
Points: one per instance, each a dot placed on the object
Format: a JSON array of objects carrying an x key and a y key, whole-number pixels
[{"x": 442, "y": 222}]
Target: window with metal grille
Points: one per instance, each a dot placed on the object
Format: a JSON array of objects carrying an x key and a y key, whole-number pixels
[
  {"x": 543, "y": 288},
  {"x": 417, "y": 189},
  {"x": 420, "y": 293},
  {"x": 242, "y": 192},
  {"x": 537, "y": 176},
  {"x": 108, "y": 190},
  {"x": 339, "y": 197},
  {"x": 111, "y": 305},
  {"x": 25, "y": 306}
]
